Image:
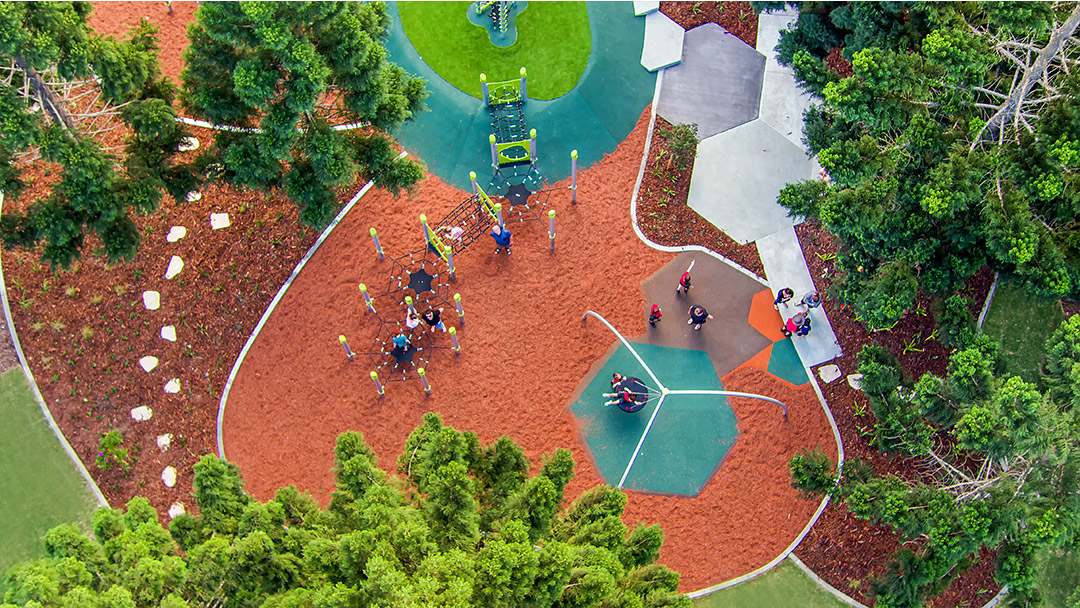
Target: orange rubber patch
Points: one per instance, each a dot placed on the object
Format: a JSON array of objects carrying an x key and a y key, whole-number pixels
[
  {"x": 759, "y": 361},
  {"x": 764, "y": 318}
]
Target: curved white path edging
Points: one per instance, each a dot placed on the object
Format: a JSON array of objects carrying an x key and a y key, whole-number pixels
[
  {"x": 821, "y": 398},
  {"x": 208, "y": 125},
  {"x": 94, "y": 489},
  {"x": 273, "y": 303},
  {"x": 989, "y": 299}
]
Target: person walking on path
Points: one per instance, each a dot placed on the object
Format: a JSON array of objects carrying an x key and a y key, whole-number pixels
[
  {"x": 684, "y": 280},
  {"x": 698, "y": 316},
  {"x": 655, "y": 314},
  {"x": 503, "y": 238},
  {"x": 810, "y": 300},
  {"x": 783, "y": 297},
  {"x": 434, "y": 318}
]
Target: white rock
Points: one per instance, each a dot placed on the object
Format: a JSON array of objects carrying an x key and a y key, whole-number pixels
[
  {"x": 163, "y": 441},
  {"x": 828, "y": 373},
  {"x": 151, "y": 300},
  {"x": 193, "y": 196},
  {"x": 855, "y": 380},
  {"x": 175, "y": 266},
  {"x": 172, "y": 386},
  {"x": 148, "y": 363},
  {"x": 188, "y": 144},
  {"x": 142, "y": 413},
  {"x": 169, "y": 333},
  {"x": 176, "y": 233},
  {"x": 219, "y": 220},
  {"x": 176, "y": 509},
  {"x": 168, "y": 477}
]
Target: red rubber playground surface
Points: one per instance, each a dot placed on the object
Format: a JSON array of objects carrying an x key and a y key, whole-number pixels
[{"x": 525, "y": 352}]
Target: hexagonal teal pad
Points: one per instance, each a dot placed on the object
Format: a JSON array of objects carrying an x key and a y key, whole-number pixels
[
  {"x": 784, "y": 363},
  {"x": 689, "y": 438}
]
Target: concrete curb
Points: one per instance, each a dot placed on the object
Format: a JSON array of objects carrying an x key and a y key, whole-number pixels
[
  {"x": 273, "y": 303},
  {"x": 840, "y": 595},
  {"x": 94, "y": 489},
  {"x": 989, "y": 299},
  {"x": 207, "y": 125}
]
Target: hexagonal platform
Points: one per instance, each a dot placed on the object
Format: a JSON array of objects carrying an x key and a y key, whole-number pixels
[
  {"x": 717, "y": 85},
  {"x": 689, "y": 438}
]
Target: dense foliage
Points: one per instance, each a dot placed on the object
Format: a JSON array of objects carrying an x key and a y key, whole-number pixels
[
  {"x": 1001, "y": 463},
  {"x": 285, "y": 73},
  {"x": 464, "y": 525},
  {"x": 52, "y": 68},
  {"x": 955, "y": 142}
]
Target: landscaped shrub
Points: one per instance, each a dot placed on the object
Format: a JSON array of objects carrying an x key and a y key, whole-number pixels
[
  {"x": 682, "y": 141},
  {"x": 954, "y": 321},
  {"x": 110, "y": 453},
  {"x": 812, "y": 473}
]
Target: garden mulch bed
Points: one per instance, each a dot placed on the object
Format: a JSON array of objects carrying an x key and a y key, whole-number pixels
[{"x": 736, "y": 17}]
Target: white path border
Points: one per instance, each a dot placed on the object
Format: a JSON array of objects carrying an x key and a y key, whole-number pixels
[
  {"x": 273, "y": 303},
  {"x": 817, "y": 389},
  {"x": 208, "y": 125},
  {"x": 989, "y": 299},
  {"x": 94, "y": 489}
]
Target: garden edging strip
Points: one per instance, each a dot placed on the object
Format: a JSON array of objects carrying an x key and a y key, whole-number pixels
[
  {"x": 840, "y": 595},
  {"x": 273, "y": 303},
  {"x": 95, "y": 490}
]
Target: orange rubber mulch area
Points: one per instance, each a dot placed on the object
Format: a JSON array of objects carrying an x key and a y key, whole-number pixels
[{"x": 524, "y": 352}]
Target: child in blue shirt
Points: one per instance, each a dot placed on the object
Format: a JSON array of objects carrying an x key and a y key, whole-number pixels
[{"x": 503, "y": 238}]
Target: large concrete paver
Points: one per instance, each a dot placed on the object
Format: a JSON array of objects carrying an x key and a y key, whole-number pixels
[
  {"x": 717, "y": 85},
  {"x": 783, "y": 102},
  {"x": 663, "y": 45}
]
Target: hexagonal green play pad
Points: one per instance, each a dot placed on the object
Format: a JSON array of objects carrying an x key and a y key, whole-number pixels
[{"x": 689, "y": 438}]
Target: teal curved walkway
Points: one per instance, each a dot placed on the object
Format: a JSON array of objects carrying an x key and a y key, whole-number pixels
[{"x": 593, "y": 118}]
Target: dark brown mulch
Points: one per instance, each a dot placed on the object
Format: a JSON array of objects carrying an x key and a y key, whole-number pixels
[
  {"x": 666, "y": 219},
  {"x": 837, "y": 63},
  {"x": 736, "y": 17}
]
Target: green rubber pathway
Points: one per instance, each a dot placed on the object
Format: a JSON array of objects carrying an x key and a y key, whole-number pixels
[
  {"x": 593, "y": 118},
  {"x": 39, "y": 485},
  {"x": 689, "y": 438}
]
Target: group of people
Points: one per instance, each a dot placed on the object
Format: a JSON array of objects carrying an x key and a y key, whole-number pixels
[
  {"x": 797, "y": 324},
  {"x": 698, "y": 315},
  {"x": 627, "y": 392},
  {"x": 504, "y": 239},
  {"x": 432, "y": 317}
]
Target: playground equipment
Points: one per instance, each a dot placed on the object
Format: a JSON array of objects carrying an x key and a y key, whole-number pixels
[
  {"x": 659, "y": 392},
  {"x": 499, "y": 13},
  {"x": 498, "y": 21}
]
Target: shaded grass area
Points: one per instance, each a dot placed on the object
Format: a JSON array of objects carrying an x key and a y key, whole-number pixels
[
  {"x": 39, "y": 485},
  {"x": 553, "y": 44},
  {"x": 785, "y": 586},
  {"x": 1059, "y": 577},
  {"x": 1021, "y": 323}
]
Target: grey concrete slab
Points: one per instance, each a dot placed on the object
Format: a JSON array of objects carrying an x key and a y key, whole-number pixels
[
  {"x": 663, "y": 45},
  {"x": 785, "y": 266},
  {"x": 783, "y": 104},
  {"x": 768, "y": 34},
  {"x": 738, "y": 175},
  {"x": 725, "y": 292},
  {"x": 646, "y": 7},
  {"x": 717, "y": 85}
]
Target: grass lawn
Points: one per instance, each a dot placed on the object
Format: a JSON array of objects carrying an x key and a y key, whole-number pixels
[
  {"x": 39, "y": 485},
  {"x": 1059, "y": 575},
  {"x": 785, "y": 586},
  {"x": 1021, "y": 323},
  {"x": 553, "y": 44}
]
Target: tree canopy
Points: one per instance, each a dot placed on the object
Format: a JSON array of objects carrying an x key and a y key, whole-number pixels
[
  {"x": 462, "y": 525},
  {"x": 98, "y": 108},
  {"x": 953, "y": 143},
  {"x": 284, "y": 74},
  {"x": 999, "y": 462}
]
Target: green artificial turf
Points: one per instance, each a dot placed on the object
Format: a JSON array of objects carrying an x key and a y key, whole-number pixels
[
  {"x": 39, "y": 485},
  {"x": 785, "y": 586},
  {"x": 1021, "y": 323},
  {"x": 1059, "y": 575},
  {"x": 553, "y": 44}
]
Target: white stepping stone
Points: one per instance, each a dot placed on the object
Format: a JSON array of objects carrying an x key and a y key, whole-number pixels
[
  {"x": 176, "y": 509},
  {"x": 148, "y": 363},
  {"x": 141, "y": 413},
  {"x": 168, "y": 477},
  {"x": 176, "y": 233},
  {"x": 188, "y": 144},
  {"x": 172, "y": 386},
  {"x": 193, "y": 196},
  {"x": 855, "y": 380},
  {"x": 151, "y": 300},
  {"x": 828, "y": 373},
  {"x": 169, "y": 333},
  {"x": 646, "y": 7},
  {"x": 163, "y": 441},
  {"x": 175, "y": 266},
  {"x": 663, "y": 44},
  {"x": 219, "y": 220}
]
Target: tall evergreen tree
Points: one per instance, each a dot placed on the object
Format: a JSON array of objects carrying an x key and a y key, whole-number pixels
[
  {"x": 284, "y": 74},
  {"x": 96, "y": 106}
]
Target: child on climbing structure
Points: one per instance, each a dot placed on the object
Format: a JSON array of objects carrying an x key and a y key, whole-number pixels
[
  {"x": 453, "y": 233},
  {"x": 503, "y": 238}
]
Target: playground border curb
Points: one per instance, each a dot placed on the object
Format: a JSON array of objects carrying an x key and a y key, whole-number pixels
[
  {"x": 207, "y": 125},
  {"x": 94, "y": 489},
  {"x": 637, "y": 188},
  {"x": 273, "y": 303},
  {"x": 840, "y": 595},
  {"x": 989, "y": 300}
]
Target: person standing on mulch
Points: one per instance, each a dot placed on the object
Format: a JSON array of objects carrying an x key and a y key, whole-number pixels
[
  {"x": 698, "y": 316},
  {"x": 684, "y": 280},
  {"x": 434, "y": 318},
  {"x": 655, "y": 314},
  {"x": 401, "y": 341},
  {"x": 503, "y": 238}
]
